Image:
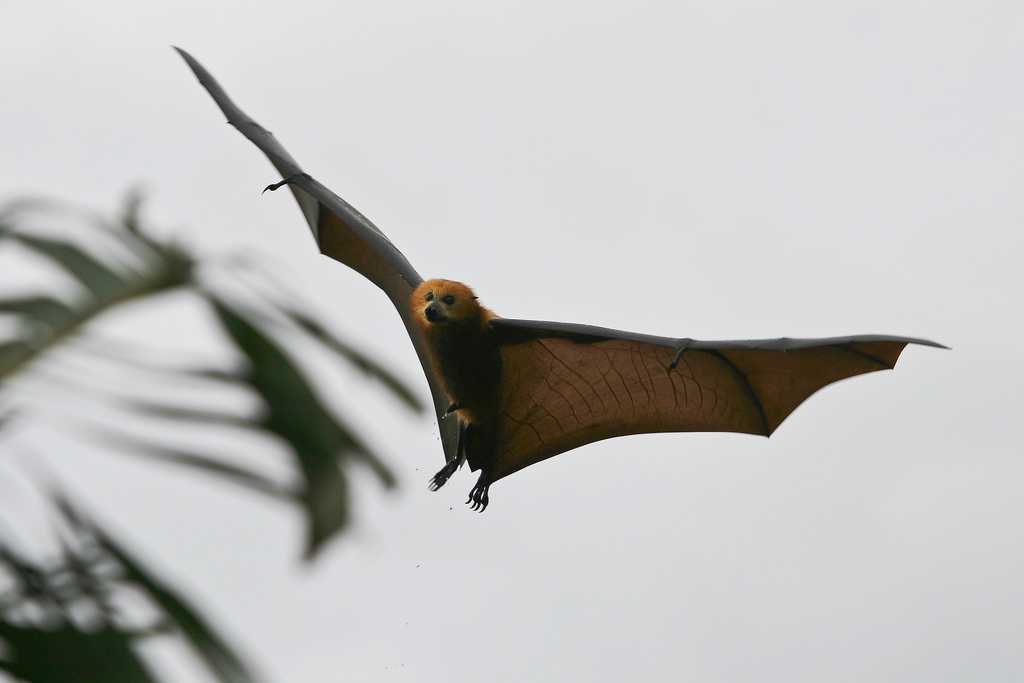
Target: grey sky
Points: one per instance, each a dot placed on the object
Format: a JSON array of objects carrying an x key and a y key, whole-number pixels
[{"x": 716, "y": 170}]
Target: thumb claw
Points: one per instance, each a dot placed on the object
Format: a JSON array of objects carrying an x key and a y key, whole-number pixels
[{"x": 281, "y": 183}]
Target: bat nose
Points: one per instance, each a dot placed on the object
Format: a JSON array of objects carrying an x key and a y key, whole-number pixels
[{"x": 433, "y": 313}]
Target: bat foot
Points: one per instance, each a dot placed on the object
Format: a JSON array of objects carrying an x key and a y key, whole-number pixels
[
  {"x": 478, "y": 498},
  {"x": 452, "y": 407},
  {"x": 290, "y": 179},
  {"x": 441, "y": 478}
]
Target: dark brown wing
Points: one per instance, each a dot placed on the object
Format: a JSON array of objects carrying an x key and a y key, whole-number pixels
[
  {"x": 567, "y": 385},
  {"x": 341, "y": 232}
]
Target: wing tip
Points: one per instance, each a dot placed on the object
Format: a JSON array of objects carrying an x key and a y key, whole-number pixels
[
  {"x": 916, "y": 342},
  {"x": 929, "y": 342},
  {"x": 184, "y": 54},
  {"x": 197, "y": 69}
]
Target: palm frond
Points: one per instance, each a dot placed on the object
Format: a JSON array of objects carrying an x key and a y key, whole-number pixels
[
  {"x": 350, "y": 354},
  {"x": 45, "y": 321},
  {"x": 322, "y": 446},
  {"x": 218, "y": 656},
  {"x": 65, "y": 618}
]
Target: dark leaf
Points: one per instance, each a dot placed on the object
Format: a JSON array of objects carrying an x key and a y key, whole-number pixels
[
  {"x": 51, "y": 321},
  {"x": 43, "y": 309},
  {"x": 132, "y": 210},
  {"x": 363, "y": 362},
  {"x": 65, "y": 654},
  {"x": 83, "y": 577},
  {"x": 31, "y": 581},
  {"x": 214, "y": 651},
  {"x": 192, "y": 415},
  {"x": 50, "y": 647},
  {"x": 231, "y": 473},
  {"x": 321, "y": 443},
  {"x": 97, "y": 278},
  {"x": 12, "y": 353}
]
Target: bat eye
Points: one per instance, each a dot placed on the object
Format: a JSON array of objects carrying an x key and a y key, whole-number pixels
[
  {"x": 449, "y": 299},
  {"x": 430, "y": 296}
]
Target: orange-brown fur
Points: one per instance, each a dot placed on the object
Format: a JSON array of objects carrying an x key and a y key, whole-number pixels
[{"x": 463, "y": 353}]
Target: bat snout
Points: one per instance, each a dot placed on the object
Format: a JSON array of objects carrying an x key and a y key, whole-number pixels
[{"x": 434, "y": 314}]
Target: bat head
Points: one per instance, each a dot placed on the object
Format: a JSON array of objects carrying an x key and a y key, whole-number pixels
[{"x": 445, "y": 302}]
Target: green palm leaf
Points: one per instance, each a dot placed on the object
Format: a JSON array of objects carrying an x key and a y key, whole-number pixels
[
  {"x": 216, "y": 654},
  {"x": 322, "y": 446},
  {"x": 321, "y": 443},
  {"x": 46, "y": 321}
]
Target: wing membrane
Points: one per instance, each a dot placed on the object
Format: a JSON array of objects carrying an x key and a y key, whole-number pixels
[
  {"x": 568, "y": 385},
  {"x": 341, "y": 232}
]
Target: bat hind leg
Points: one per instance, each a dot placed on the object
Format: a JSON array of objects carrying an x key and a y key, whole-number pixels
[
  {"x": 441, "y": 478},
  {"x": 455, "y": 463},
  {"x": 478, "y": 498}
]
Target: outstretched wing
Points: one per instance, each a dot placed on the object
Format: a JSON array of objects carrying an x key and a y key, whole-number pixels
[
  {"x": 566, "y": 385},
  {"x": 341, "y": 232}
]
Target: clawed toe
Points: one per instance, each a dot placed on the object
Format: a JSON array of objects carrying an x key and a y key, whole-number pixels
[
  {"x": 478, "y": 498},
  {"x": 439, "y": 479}
]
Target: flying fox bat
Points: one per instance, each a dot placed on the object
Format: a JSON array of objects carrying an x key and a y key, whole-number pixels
[{"x": 509, "y": 393}]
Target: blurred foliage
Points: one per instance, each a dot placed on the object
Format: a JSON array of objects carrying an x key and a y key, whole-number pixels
[
  {"x": 137, "y": 266},
  {"x": 68, "y": 619}
]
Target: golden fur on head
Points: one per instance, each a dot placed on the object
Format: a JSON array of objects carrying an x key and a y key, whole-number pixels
[{"x": 454, "y": 301}]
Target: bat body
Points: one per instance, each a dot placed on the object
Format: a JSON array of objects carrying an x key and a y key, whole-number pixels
[
  {"x": 509, "y": 393},
  {"x": 465, "y": 353}
]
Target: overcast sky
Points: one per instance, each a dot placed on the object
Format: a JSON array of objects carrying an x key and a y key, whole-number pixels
[{"x": 705, "y": 169}]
